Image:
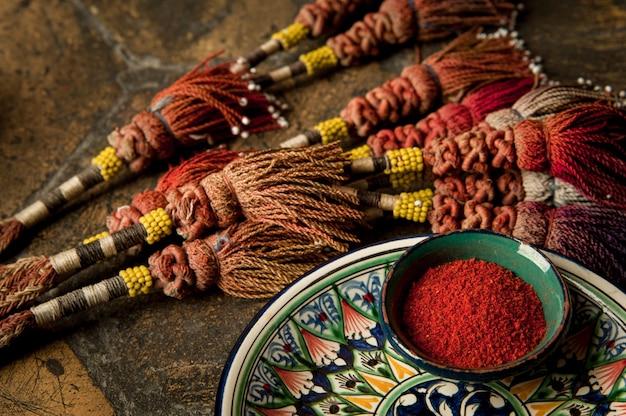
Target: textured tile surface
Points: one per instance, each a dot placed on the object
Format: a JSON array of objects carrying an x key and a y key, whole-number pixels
[{"x": 74, "y": 70}]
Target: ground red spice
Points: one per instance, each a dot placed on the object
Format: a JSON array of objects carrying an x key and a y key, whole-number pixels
[{"x": 473, "y": 313}]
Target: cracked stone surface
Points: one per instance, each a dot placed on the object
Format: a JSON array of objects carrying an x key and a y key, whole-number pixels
[{"x": 73, "y": 70}]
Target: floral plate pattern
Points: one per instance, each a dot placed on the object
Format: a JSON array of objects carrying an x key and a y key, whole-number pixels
[{"x": 317, "y": 349}]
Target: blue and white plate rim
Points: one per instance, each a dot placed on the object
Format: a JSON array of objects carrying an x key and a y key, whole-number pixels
[{"x": 605, "y": 293}]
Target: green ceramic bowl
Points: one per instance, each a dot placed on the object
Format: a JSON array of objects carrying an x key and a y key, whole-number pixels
[{"x": 523, "y": 260}]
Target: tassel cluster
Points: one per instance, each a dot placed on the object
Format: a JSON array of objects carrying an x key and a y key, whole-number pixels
[
  {"x": 468, "y": 62},
  {"x": 294, "y": 189},
  {"x": 475, "y": 127}
]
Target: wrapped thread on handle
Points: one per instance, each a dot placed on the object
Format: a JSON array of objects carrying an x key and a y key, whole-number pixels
[
  {"x": 467, "y": 62},
  {"x": 207, "y": 105},
  {"x": 250, "y": 259},
  {"x": 395, "y": 23},
  {"x": 277, "y": 186}
]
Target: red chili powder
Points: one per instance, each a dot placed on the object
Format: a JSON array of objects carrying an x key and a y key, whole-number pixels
[{"x": 473, "y": 313}]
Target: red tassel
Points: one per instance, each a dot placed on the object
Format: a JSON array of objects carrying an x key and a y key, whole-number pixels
[
  {"x": 584, "y": 146},
  {"x": 453, "y": 118},
  {"x": 468, "y": 62},
  {"x": 189, "y": 171},
  {"x": 496, "y": 130},
  {"x": 206, "y": 104}
]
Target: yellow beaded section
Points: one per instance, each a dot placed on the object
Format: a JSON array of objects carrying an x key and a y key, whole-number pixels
[
  {"x": 359, "y": 152},
  {"x": 291, "y": 35},
  {"x": 332, "y": 130},
  {"x": 95, "y": 237},
  {"x": 403, "y": 179},
  {"x": 157, "y": 223},
  {"x": 414, "y": 206},
  {"x": 319, "y": 59},
  {"x": 406, "y": 159},
  {"x": 108, "y": 162},
  {"x": 138, "y": 280}
]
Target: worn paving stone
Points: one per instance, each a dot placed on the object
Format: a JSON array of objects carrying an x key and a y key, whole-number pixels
[{"x": 73, "y": 70}]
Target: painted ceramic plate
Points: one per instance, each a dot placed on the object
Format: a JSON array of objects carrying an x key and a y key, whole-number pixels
[{"x": 317, "y": 349}]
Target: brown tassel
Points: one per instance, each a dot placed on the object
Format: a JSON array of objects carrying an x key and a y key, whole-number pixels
[
  {"x": 206, "y": 105},
  {"x": 468, "y": 62},
  {"x": 396, "y": 23},
  {"x": 293, "y": 188},
  {"x": 249, "y": 259}
]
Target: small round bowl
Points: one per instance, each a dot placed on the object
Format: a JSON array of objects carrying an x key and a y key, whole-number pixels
[{"x": 523, "y": 260}]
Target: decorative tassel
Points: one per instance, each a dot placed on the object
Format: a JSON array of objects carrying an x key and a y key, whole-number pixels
[
  {"x": 590, "y": 234},
  {"x": 207, "y": 105},
  {"x": 294, "y": 188},
  {"x": 584, "y": 146},
  {"x": 468, "y": 62},
  {"x": 249, "y": 259},
  {"x": 593, "y": 235},
  {"x": 565, "y": 228},
  {"x": 313, "y": 21},
  {"x": 548, "y": 100},
  {"x": 396, "y": 23},
  {"x": 480, "y": 198},
  {"x": 471, "y": 201},
  {"x": 453, "y": 118},
  {"x": 191, "y": 170},
  {"x": 539, "y": 103}
]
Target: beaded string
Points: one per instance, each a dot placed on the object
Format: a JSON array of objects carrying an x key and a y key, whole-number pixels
[
  {"x": 279, "y": 186},
  {"x": 251, "y": 259},
  {"x": 395, "y": 23},
  {"x": 470, "y": 60},
  {"x": 395, "y": 161},
  {"x": 205, "y": 106},
  {"x": 312, "y": 21}
]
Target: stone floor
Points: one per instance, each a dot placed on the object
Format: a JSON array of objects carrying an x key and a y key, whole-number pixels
[{"x": 72, "y": 70}]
